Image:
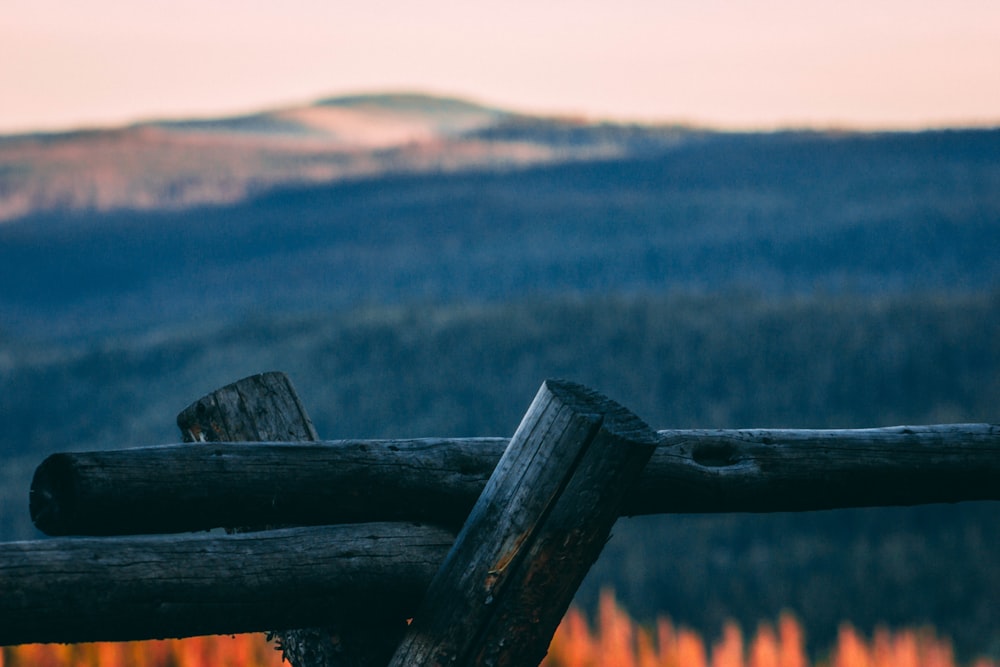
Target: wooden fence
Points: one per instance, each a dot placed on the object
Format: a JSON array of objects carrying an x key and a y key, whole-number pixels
[{"x": 413, "y": 552}]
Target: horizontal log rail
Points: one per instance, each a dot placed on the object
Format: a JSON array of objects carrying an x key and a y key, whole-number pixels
[
  {"x": 143, "y": 587},
  {"x": 177, "y": 488},
  {"x": 150, "y": 587}
]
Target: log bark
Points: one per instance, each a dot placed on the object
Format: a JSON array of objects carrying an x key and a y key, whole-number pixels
[
  {"x": 177, "y": 488},
  {"x": 266, "y": 407},
  {"x": 150, "y": 587},
  {"x": 538, "y": 526}
]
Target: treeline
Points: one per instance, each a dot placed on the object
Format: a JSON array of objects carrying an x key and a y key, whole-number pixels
[{"x": 729, "y": 360}]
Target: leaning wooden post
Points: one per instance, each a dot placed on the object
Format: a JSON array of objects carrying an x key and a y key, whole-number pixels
[
  {"x": 264, "y": 408},
  {"x": 539, "y": 524}
]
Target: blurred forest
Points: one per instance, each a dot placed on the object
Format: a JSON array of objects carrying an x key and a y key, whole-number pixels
[
  {"x": 780, "y": 215},
  {"x": 786, "y": 280}
]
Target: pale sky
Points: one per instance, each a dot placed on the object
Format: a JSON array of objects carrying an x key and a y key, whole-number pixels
[{"x": 757, "y": 64}]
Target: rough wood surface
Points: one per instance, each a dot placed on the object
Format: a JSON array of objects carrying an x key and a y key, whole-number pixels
[
  {"x": 260, "y": 408},
  {"x": 146, "y": 587},
  {"x": 538, "y": 526},
  {"x": 177, "y": 488},
  {"x": 782, "y": 470}
]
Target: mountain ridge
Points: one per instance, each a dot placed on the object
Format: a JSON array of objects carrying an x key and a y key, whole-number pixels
[{"x": 179, "y": 163}]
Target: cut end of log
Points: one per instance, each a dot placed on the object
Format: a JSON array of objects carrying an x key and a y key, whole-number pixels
[
  {"x": 616, "y": 419},
  {"x": 53, "y": 483}
]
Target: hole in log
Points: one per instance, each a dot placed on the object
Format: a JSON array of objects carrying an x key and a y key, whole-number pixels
[{"x": 714, "y": 455}]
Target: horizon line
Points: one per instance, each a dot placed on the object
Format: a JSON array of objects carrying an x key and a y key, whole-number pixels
[{"x": 127, "y": 121}]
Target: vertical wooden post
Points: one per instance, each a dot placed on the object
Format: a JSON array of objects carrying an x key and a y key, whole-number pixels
[
  {"x": 260, "y": 408},
  {"x": 539, "y": 524},
  {"x": 264, "y": 408}
]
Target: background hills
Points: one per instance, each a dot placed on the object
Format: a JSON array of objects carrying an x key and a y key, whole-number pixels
[
  {"x": 176, "y": 164},
  {"x": 419, "y": 265}
]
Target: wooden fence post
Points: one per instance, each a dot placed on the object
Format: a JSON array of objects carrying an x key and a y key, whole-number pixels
[
  {"x": 539, "y": 524},
  {"x": 264, "y": 408}
]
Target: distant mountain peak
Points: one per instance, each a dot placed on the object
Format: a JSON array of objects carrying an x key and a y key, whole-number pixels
[
  {"x": 180, "y": 163},
  {"x": 409, "y": 102}
]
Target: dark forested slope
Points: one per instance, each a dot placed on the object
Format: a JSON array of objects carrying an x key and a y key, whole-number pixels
[{"x": 777, "y": 214}]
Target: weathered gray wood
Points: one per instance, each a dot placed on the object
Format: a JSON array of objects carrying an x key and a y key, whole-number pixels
[
  {"x": 538, "y": 526},
  {"x": 260, "y": 408},
  {"x": 177, "y": 488},
  {"x": 146, "y": 587},
  {"x": 782, "y": 470}
]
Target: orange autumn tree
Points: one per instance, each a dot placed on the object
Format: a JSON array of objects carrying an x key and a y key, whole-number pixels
[
  {"x": 219, "y": 651},
  {"x": 615, "y": 641},
  {"x": 618, "y": 641}
]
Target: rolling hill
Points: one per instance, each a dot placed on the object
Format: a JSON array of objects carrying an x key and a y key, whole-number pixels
[{"x": 177, "y": 164}]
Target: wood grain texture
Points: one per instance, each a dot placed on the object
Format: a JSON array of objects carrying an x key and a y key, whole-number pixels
[
  {"x": 782, "y": 470},
  {"x": 258, "y": 408},
  {"x": 148, "y": 587},
  {"x": 538, "y": 526},
  {"x": 178, "y": 488}
]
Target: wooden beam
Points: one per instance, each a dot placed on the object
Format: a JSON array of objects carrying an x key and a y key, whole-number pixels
[
  {"x": 794, "y": 470},
  {"x": 538, "y": 526},
  {"x": 150, "y": 587},
  {"x": 178, "y": 488}
]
